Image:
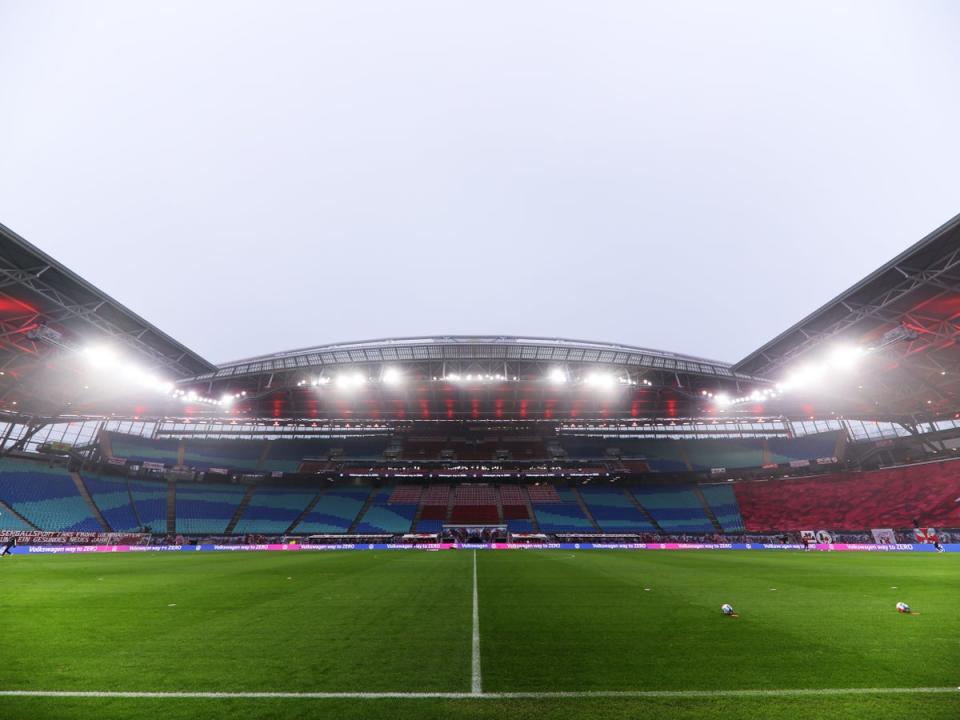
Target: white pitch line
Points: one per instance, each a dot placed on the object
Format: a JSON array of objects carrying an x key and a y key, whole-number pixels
[
  {"x": 476, "y": 679},
  {"x": 636, "y": 694}
]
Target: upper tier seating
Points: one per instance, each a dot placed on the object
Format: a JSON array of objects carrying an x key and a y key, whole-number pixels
[
  {"x": 139, "y": 449},
  {"x": 808, "y": 447},
  {"x": 46, "y": 496},
  {"x": 206, "y": 509},
  {"x": 664, "y": 455},
  {"x": 334, "y": 512},
  {"x": 563, "y": 515},
  {"x": 855, "y": 501},
  {"x": 229, "y": 454},
  {"x": 614, "y": 511},
  {"x": 382, "y": 517},
  {"x": 675, "y": 508},
  {"x": 287, "y": 455},
  {"x": 113, "y": 498},
  {"x": 725, "y": 453},
  {"x": 272, "y": 510},
  {"x": 723, "y": 503}
]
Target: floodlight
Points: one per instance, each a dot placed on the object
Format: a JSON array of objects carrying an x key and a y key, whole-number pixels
[
  {"x": 392, "y": 376},
  {"x": 845, "y": 357},
  {"x": 600, "y": 379},
  {"x": 557, "y": 376}
]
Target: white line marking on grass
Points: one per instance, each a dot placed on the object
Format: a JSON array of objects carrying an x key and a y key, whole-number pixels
[
  {"x": 476, "y": 680},
  {"x": 636, "y": 694}
]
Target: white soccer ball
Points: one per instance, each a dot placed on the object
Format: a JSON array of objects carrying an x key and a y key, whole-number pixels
[
  {"x": 726, "y": 609},
  {"x": 902, "y": 607}
]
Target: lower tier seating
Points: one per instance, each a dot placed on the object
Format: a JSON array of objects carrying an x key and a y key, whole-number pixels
[
  {"x": 46, "y": 496},
  {"x": 891, "y": 498},
  {"x": 206, "y": 509},
  {"x": 334, "y": 512},
  {"x": 675, "y": 508},
  {"x": 272, "y": 510},
  {"x": 113, "y": 498},
  {"x": 614, "y": 511},
  {"x": 564, "y": 515},
  {"x": 723, "y": 504},
  {"x": 384, "y": 517}
]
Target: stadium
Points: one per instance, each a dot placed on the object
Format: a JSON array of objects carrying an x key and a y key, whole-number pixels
[{"x": 481, "y": 526}]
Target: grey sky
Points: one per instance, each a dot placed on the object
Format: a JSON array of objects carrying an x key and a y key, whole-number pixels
[{"x": 253, "y": 177}]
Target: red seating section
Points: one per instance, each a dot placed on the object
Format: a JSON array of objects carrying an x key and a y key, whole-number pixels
[
  {"x": 405, "y": 495},
  {"x": 434, "y": 502},
  {"x": 514, "y": 504},
  {"x": 474, "y": 503},
  {"x": 855, "y": 501},
  {"x": 543, "y": 494}
]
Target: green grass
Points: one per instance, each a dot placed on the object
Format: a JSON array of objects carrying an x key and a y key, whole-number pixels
[{"x": 549, "y": 621}]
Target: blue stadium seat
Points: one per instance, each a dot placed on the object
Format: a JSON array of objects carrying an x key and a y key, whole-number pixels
[{"x": 46, "y": 496}]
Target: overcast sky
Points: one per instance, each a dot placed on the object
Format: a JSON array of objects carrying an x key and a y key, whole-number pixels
[{"x": 257, "y": 176}]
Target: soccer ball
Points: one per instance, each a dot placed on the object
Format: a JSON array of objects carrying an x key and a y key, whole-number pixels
[
  {"x": 902, "y": 607},
  {"x": 728, "y": 609}
]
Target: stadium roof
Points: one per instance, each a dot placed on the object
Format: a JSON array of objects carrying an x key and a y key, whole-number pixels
[
  {"x": 36, "y": 290},
  {"x": 907, "y": 313},
  {"x": 904, "y": 317},
  {"x": 463, "y": 348}
]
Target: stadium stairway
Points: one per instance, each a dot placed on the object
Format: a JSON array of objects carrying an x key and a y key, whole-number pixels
[
  {"x": 241, "y": 508},
  {"x": 11, "y": 513},
  {"x": 171, "y": 508},
  {"x": 707, "y": 509},
  {"x": 642, "y": 509},
  {"x": 85, "y": 494},
  {"x": 496, "y": 494},
  {"x": 585, "y": 509},
  {"x": 450, "y": 504},
  {"x": 363, "y": 510},
  {"x": 306, "y": 511},
  {"x": 416, "y": 515},
  {"x": 533, "y": 516}
]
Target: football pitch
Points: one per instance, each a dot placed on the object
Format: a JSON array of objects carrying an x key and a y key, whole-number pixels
[{"x": 488, "y": 634}]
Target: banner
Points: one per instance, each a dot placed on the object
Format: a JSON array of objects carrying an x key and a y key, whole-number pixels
[
  {"x": 799, "y": 463},
  {"x": 153, "y": 466},
  {"x": 824, "y": 537},
  {"x": 884, "y": 536},
  {"x": 809, "y": 535},
  {"x": 116, "y": 461},
  {"x": 925, "y": 535},
  {"x": 293, "y": 547}
]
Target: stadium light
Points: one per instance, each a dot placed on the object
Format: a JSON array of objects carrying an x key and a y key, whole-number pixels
[
  {"x": 598, "y": 379},
  {"x": 392, "y": 376},
  {"x": 352, "y": 380},
  {"x": 557, "y": 376},
  {"x": 845, "y": 357}
]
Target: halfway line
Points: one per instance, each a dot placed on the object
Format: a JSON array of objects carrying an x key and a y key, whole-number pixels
[{"x": 476, "y": 680}]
